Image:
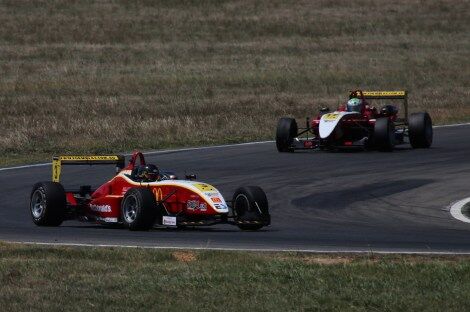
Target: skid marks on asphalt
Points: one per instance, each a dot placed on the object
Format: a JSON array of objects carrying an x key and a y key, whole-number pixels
[{"x": 341, "y": 199}]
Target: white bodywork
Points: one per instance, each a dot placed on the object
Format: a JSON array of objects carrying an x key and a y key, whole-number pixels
[{"x": 328, "y": 122}]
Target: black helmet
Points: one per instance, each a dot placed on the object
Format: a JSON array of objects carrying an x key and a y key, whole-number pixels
[{"x": 148, "y": 173}]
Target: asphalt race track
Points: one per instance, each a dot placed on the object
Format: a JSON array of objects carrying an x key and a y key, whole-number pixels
[{"x": 319, "y": 201}]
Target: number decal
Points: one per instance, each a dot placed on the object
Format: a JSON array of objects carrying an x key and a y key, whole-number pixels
[
  {"x": 331, "y": 117},
  {"x": 204, "y": 187}
]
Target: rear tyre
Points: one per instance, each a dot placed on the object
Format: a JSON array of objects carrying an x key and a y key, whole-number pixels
[
  {"x": 384, "y": 134},
  {"x": 138, "y": 209},
  {"x": 285, "y": 133},
  {"x": 250, "y": 208},
  {"x": 48, "y": 204},
  {"x": 420, "y": 130}
]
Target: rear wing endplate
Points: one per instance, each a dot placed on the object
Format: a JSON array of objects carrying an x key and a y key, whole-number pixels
[{"x": 58, "y": 161}]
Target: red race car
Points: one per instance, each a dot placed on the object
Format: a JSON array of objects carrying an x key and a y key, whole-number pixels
[
  {"x": 358, "y": 124},
  {"x": 141, "y": 196}
]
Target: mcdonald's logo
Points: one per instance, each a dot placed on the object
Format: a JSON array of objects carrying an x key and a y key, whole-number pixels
[{"x": 158, "y": 193}]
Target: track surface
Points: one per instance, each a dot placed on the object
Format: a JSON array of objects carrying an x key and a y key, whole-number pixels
[{"x": 319, "y": 201}]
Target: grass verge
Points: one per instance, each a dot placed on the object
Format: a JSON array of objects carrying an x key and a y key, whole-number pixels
[{"x": 118, "y": 279}]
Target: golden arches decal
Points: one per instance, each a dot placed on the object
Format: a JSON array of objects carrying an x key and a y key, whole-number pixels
[{"x": 158, "y": 193}]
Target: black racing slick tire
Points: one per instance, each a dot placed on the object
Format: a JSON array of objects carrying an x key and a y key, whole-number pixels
[
  {"x": 286, "y": 131},
  {"x": 138, "y": 209},
  {"x": 420, "y": 130},
  {"x": 250, "y": 208},
  {"x": 384, "y": 134},
  {"x": 48, "y": 204}
]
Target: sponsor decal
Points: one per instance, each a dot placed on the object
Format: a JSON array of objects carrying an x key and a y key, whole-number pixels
[
  {"x": 100, "y": 208},
  {"x": 171, "y": 221},
  {"x": 202, "y": 207},
  {"x": 210, "y": 194},
  {"x": 384, "y": 93},
  {"x": 192, "y": 204},
  {"x": 221, "y": 206},
  {"x": 107, "y": 219},
  {"x": 204, "y": 187},
  {"x": 88, "y": 158},
  {"x": 331, "y": 117},
  {"x": 158, "y": 193},
  {"x": 216, "y": 199},
  {"x": 196, "y": 205}
]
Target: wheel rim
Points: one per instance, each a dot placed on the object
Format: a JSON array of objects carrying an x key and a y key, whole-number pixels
[
  {"x": 242, "y": 204},
  {"x": 38, "y": 204},
  {"x": 130, "y": 209}
]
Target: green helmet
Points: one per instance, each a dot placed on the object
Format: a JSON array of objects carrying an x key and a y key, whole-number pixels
[{"x": 354, "y": 105}]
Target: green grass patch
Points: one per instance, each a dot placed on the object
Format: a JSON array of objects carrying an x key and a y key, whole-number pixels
[
  {"x": 122, "y": 279},
  {"x": 111, "y": 76}
]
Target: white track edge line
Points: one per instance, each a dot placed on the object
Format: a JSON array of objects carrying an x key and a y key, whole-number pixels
[
  {"x": 198, "y": 148},
  {"x": 324, "y": 251},
  {"x": 453, "y": 125},
  {"x": 153, "y": 153},
  {"x": 202, "y": 147},
  {"x": 456, "y": 210}
]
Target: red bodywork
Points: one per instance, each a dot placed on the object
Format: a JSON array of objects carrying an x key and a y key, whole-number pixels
[{"x": 183, "y": 197}]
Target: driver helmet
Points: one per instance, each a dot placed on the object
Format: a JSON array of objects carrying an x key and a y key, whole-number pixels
[
  {"x": 354, "y": 105},
  {"x": 148, "y": 173}
]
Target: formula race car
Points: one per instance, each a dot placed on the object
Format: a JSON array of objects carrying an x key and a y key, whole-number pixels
[
  {"x": 358, "y": 124},
  {"x": 140, "y": 196}
]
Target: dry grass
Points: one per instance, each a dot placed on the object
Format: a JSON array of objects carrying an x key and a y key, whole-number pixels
[
  {"x": 109, "y": 76},
  {"x": 184, "y": 256},
  {"x": 40, "y": 278}
]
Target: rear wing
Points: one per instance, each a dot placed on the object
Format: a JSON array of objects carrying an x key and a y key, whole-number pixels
[
  {"x": 383, "y": 95},
  {"x": 58, "y": 161}
]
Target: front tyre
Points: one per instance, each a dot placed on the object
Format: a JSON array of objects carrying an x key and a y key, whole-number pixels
[
  {"x": 286, "y": 131},
  {"x": 420, "y": 130},
  {"x": 384, "y": 134},
  {"x": 138, "y": 209},
  {"x": 48, "y": 204},
  {"x": 250, "y": 208}
]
